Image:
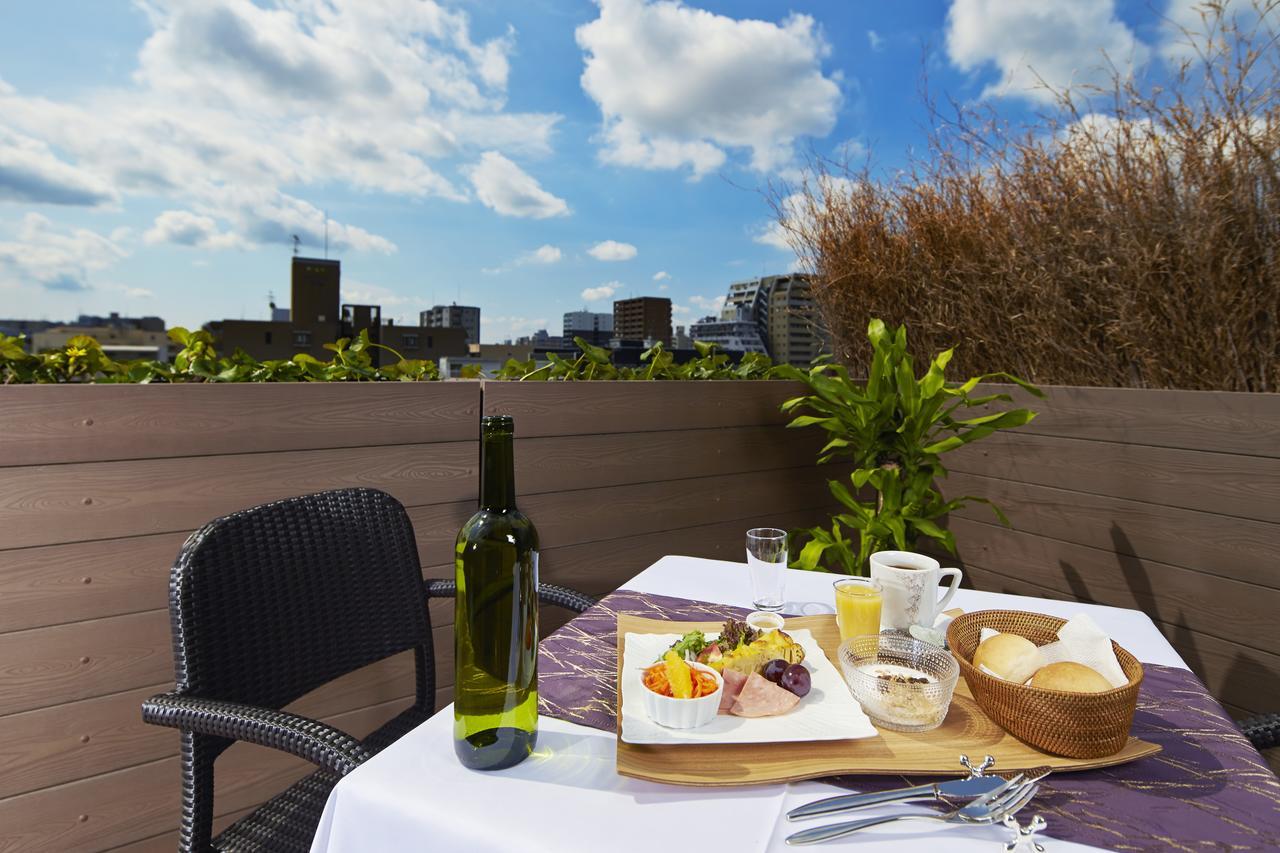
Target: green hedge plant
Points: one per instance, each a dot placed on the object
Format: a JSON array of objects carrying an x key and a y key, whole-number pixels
[
  {"x": 658, "y": 363},
  {"x": 82, "y": 359},
  {"x": 894, "y": 428}
]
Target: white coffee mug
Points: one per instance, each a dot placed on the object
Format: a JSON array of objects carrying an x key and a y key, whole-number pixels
[{"x": 910, "y": 582}]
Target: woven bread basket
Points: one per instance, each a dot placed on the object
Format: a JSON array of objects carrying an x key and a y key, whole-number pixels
[{"x": 1077, "y": 725}]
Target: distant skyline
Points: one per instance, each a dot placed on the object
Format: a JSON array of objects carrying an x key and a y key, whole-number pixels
[{"x": 531, "y": 158}]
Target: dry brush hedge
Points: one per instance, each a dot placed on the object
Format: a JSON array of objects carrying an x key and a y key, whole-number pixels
[{"x": 1136, "y": 243}]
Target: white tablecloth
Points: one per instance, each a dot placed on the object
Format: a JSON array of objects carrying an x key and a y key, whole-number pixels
[{"x": 567, "y": 796}]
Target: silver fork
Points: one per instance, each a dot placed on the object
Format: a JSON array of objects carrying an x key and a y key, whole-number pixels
[{"x": 989, "y": 808}]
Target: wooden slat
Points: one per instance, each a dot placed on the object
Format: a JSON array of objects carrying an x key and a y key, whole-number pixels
[
  {"x": 1225, "y": 483},
  {"x": 1222, "y": 545},
  {"x": 65, "y": 663},
  {"x": 562, "y": 463},
  {"x": 1222, "y": 421},
  {"x": 581, "y": 408},
  {"x": 592, "y": 515},
  {"x": 46, "y": 585},
  {"x": 138, "y": 802},
  {"x": 48, "y": 504},
  {"x": 1221, "y": 607},
  {"x": 167, "y": 842},
  {"x": 89, "y": 423},
  {"x": 1242, "y": 676},
  {"x": 49, "y": 746},
  {"x": 598, "y": 568}
]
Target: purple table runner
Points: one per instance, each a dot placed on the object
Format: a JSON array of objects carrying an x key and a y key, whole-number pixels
[{"x": 1208, "y": 790}]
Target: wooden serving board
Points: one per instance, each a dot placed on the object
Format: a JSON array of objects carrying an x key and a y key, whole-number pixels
[{"x": 966, "y": 730}]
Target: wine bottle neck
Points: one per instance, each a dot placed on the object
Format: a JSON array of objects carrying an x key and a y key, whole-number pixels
[{"x": 497, "y": 470}]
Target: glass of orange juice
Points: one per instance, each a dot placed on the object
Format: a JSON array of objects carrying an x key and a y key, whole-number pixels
[{"x": 858, "y": 606}]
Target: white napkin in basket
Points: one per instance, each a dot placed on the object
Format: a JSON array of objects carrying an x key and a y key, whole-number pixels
[{"x": 1080, "y": 641}]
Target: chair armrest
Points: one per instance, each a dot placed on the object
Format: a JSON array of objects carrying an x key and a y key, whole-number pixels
[
  {"x": 548, "y": 593},
  {"x": 321, "y": 744},
  {"x": 1262, "y": 731}
]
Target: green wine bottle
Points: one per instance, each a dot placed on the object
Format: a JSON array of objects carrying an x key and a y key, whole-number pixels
[{"x": 495, "y": 710}]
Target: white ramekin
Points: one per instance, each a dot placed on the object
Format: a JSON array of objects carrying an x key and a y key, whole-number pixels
[{"x": 684, "y": 713}]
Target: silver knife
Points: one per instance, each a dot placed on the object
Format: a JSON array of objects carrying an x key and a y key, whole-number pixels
[{"x": 972, "y": 787}]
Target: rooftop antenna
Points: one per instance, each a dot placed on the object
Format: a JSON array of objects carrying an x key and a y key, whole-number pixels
[{"x": 296, "y": 242}]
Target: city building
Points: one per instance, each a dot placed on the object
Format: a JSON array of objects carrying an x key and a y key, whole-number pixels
[
  {"x": 795, "y": 334},
  {"x": 487, "y": 357},
  {"x": 316, "y": 317},
  {"x": 146, "y": 324},
  {"x": 642, "y": 318},
  {"x": 773, "y": 314},
  {"x": 453, "y": 316},
  {"x": 736, "y": 329},
  {"x": 593, "y": 327},
  {"x": 682, "y": 340},
  {"x": 121, "y": 342},
  {"x": 541, "y": 340},
  {"x": 14, "y": 327},
  {"x": 748, "y": 301}
]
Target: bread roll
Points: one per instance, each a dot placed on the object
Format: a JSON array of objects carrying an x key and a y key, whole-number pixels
[
  {"x": 1009, "y": 656},
  {"x": 1070, "y": 676}
]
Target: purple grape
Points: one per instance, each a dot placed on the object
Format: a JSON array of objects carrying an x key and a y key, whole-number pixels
[
  {"x": 796, "y": 679},
  {"x": 773, "y": 670}
]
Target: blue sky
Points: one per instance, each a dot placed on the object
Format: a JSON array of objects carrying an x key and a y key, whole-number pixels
[{"x": 529, "y": 157}]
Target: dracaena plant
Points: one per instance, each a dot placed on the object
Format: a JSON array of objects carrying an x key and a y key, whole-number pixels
[{"x": 894, "y": 428}]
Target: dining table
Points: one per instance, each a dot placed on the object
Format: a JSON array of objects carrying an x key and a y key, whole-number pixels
[{"x": 568, "y": 795}]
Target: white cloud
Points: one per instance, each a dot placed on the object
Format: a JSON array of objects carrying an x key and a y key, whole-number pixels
[
  {"x": 710, "y": 304},
  {"x": 604, "y": 291},
  {"x": 875, "y": 40},
  {"x": 796, "y": 209},
  {"x": 612, "y": 250},
  {"x": 363, "y": 293},
  {"x": 664, "y": 287},
  {"x": 1184, "y": 27},
  {"x": 184, "y": 228},
  {"x": 545, "y": 254},
  {"x": 502, "y": 327},
  {"x": 661, "y": 275},
  {"x": 233, "y": 100},
  {"x": 138, "y": 293},
  {"x": 503, "y": 186},
  {"x": 55, "y": 259},
  {"x": 1065, "y": 45},
  {"x": 31, "y": 173},
  {"x": 677, "y": 86}
]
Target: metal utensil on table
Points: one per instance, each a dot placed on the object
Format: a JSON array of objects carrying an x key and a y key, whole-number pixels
[
  {"x": 976, "y": 785},
  {"x": 987, "y": 809}
]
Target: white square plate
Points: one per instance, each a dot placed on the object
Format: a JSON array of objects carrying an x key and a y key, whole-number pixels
[{"x": 829, "y": 712}]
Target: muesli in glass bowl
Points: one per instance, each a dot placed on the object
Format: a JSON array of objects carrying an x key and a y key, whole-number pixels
[{"x": 901, "y": 683}]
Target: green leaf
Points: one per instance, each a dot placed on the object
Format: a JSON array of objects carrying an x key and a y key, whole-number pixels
[
  {"x": 810, "y": 555},
  {"x": 943, "y": 446},
  {"x": 933, "y": 381},
  {"x": 842, "y": 494}
]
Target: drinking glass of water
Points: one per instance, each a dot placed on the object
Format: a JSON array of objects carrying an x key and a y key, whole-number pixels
[{"x": 766, "y": 559}]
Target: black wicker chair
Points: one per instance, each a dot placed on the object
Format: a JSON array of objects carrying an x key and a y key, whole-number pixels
[
  {"x": 270, "y": 603},
  {"x": 1262, "y": 731}
]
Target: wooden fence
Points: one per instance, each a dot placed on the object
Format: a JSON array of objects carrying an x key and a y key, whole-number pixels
[
  {"x": 1164, "y": 501},
  {"x": 99, "y": 485}
]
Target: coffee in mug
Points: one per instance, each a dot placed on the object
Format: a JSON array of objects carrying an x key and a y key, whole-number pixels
[{"x": 910, "y": 588}]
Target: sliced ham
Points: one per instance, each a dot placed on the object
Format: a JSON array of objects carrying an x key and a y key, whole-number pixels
[
  {"x": 760, "y": 697},
  {"x": 733, "y": 681}
]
